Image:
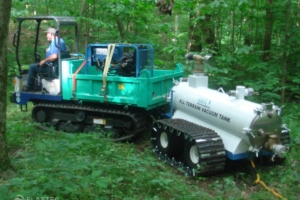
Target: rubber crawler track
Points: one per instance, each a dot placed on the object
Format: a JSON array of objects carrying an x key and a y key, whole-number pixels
[
  {"x": 210, "y": 146},
  {"x": 137, "y": 119},
  {"x": 285, "y": 138}
]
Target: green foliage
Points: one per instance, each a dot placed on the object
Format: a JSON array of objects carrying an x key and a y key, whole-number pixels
[
  {"x": 12, "y": 66},
  {"x": 239, "y": 30}
]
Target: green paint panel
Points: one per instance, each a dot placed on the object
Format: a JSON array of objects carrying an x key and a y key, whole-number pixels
[{"x": 144, "y": 91}]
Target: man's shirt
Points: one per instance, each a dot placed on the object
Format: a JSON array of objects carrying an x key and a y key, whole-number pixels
[{"x": 52, "y": 49}]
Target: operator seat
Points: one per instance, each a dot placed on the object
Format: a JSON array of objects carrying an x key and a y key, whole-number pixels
[{"x": 53, "y": 70}]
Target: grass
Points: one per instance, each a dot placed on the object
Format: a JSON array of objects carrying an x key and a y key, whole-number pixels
[{"x": 86, "y": 166}]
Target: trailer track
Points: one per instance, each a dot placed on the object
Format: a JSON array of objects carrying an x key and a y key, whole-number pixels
[{"x": 195, "y": 143}]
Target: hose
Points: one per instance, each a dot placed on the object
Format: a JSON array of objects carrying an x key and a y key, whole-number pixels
[{"x": 263, "y": 184}]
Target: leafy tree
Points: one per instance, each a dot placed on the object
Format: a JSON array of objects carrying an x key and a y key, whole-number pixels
[
  {"x": 5, "y": 6},
  {"x": 268, "y": 30},
  {"x": 256, "y": 42}
]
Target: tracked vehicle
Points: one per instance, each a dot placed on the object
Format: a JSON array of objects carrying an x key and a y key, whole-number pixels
[{"x": 115, "y": 88}]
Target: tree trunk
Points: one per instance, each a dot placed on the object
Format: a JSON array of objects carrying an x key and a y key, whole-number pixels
[
  {"x": 194, "y": 36},
  {"x": 249, "y": 26},
  {"x": 268, "y": 32},
  {"x": 82, "y": 8},
  {"x": 165, "y": 6},
  {"x": 232, "y": 29},
  {"x": 120, "y": 28},
  {"x": 284, "y": 66},
  {"x": 5, "y": 6},
  {"x": 80, "y": 24},
  {"x": 208, "y": 32},
  {"x": 219, "y": 29}
]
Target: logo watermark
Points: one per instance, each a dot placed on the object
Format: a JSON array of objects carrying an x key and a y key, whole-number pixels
[{"x": 20, "y": 197}]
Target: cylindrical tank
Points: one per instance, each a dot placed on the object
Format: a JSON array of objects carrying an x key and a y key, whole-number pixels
[{"x": 251, "y": 122}]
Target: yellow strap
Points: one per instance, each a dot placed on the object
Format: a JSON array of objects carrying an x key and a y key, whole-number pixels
[{"x": 110, "y": 52}]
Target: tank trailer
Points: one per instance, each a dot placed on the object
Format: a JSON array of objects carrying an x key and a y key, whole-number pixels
[{"x": 207, "y": 126}]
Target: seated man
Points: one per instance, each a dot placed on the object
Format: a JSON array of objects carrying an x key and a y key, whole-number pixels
[{"x": 51, "y": 56}]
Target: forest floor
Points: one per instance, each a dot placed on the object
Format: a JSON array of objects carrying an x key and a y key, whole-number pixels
[{"x": 82, "y": 166}]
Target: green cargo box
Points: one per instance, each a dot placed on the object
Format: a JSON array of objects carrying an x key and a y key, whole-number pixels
[{"x": 144, "y": 91}]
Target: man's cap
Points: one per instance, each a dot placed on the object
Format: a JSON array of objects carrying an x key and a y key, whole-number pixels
[{"x": 51, "y": 30}]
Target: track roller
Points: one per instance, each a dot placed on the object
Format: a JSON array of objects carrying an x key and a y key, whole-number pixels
[
  {"x": 191, "y": 154},
  {"x": 118, "y": 124},
  {"x": 41, "y": 115},
  {"x": 168, "y": 142},
  {"x": 189, "y": 147},
  {"x": 69, "y": 127}
]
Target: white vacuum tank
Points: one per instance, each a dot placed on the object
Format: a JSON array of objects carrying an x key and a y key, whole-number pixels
[{"x": 244, "y": 126}]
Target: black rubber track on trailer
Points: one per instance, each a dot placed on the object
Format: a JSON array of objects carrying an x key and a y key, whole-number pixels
[
  {"x": 211, "y": 151},
  {"x": 138, "y": 120},
  {"x": 285, "y": 138}
]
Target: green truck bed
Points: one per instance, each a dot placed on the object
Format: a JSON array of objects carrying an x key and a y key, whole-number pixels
[{"x": 144, "y": 91}]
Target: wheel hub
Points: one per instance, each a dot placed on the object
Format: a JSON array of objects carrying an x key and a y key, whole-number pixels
[
  {"x": 164, "y": 140},
  {"x": 194, "y": 155}
]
